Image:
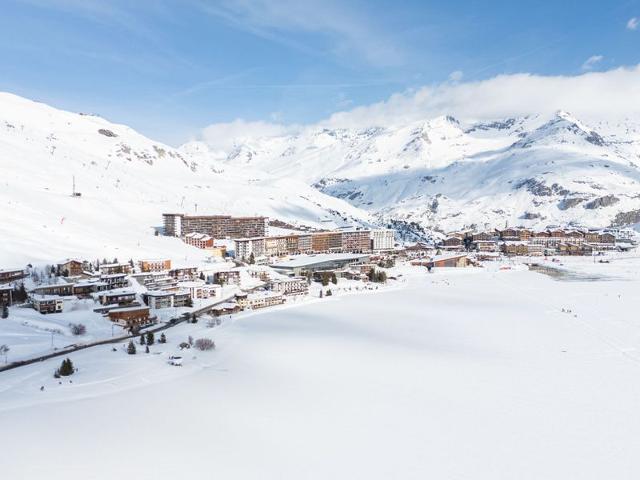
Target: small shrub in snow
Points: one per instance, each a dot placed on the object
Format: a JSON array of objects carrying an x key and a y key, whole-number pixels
[
  {"x": 131, "y": 349},
  {"x": 78, "y": 328},
  {"x": 163, "y": 339},
  {"x": 204, "y": 344},
  {"x": 184, "y": 345},
  {"x": 150, "y": 338}
]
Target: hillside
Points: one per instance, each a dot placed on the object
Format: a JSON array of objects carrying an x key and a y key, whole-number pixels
[
  {"x": 126, "y": 182},
  {"x": 445, "y": 173}
]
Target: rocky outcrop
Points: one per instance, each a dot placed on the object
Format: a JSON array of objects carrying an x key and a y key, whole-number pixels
[
  {"x": 602, "y": 202},
  {"x": 540, "y": 188},
  {"x": 568, "y": 203},
  {"x": 626, "y": 218}
]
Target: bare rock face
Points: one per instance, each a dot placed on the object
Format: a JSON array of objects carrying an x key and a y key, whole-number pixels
[
  {"x": 568, "y": 203},
  {"x": 540, "y": 188},
  {"x": 531, "y": 216},
  {"x": 107, "y": 133},
  {"x": 626, "y": 218},
  {"x": 602, "y": 202}
]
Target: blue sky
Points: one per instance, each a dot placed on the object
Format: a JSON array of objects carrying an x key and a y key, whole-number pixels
[{"x": 169, "y": 68}]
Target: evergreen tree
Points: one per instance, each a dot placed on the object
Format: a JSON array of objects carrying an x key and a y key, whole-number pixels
[
  {"x": 252, "y": 259},
  {"x": 334, "y": 279},
  {"x": 163, "y": 338},
  {"x": 329, "y": 293},
  {"x": 131, "y": 349},
  {"x": 5, "y": 311},
  {"x": 53, "y": 271},
  {"x": 325, "y": 279},
  {"x": 142, "y": 339},
  {"x": 66, "y": 368},
  {"x": 146, "y": 349},
  {"x": 150, "y": 338}
]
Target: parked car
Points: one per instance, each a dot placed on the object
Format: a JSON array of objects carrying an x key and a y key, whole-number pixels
[{"x": 175, "y": 361}]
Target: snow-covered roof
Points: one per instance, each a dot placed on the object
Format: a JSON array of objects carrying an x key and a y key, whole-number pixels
[
  {"x": 113, "y": 275},
  {"x": 45, "y": 298},
  {"x": 117, "y": 292},
  {"x": 159, "y": 293},
  {"x": 447, "y": 256},
  {"x": 306, "y": 260},
  {"x": 225, "y": 305},
  {"x": 129, "y": 309}
]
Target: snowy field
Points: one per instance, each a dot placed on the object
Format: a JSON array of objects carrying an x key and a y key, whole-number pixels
[{"x": 463, "y": 374}]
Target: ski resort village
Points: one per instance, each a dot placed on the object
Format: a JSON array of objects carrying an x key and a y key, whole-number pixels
[
  {"x": 75, "y": 303},
  {"x": 319, "y": 240}
]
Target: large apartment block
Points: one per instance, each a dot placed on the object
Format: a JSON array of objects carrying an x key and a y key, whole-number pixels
[
  {"x": 218, "y": 226},
  {"x": 356, "y": 241},
  {"x": 348, "y": 241}
]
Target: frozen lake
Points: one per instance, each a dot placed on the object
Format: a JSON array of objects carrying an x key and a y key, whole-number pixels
[{"x": 461, "y": 375}]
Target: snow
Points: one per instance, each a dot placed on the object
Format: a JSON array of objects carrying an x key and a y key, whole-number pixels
[
  {"x": 30, "y": 333},
  {"x": 473, "y": 373}
]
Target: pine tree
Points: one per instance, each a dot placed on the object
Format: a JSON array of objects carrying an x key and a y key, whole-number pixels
[
  {"x": 131, "y": 349},
  {"x": 163, "y": 338},
  {"x": 329, "y": 293},
  {"x": 334, "y": 279},
  {"x": 252, "y": 259},
  {"x": 66, "y": 368},
  {"x": 142, "y": 339},
  {"x": 150, "y": 338}
]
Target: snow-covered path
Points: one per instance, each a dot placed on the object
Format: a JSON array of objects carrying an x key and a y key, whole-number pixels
[{"x": 461, "y": 375}]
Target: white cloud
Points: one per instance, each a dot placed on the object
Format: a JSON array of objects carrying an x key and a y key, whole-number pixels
[
  {"x": 633, "y": 23},
  {"x": 592, "y": 96},
  {"x": 591, "y": 62},
  {"x": 456, "y": 76},
  {"x": 223, "y": 136}
]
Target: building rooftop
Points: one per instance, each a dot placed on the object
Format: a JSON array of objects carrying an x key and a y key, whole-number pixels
[
  {"x": 128, "y": 309},
  {"x": 308, "y": 260},
  {"x": 447, "y": 256}
]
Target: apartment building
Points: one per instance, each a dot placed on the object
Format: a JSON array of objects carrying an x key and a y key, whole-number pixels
[
  {"x": 382, "y": 239},
  {"x": 155, "y": 265},
  {"x": 198, "y": 240},
  {"x": 356, "y": 241},
  {"x": 290, "y": 286},
  {"x": 326, "y": 241},
  {"x": 244, "y": 247},
  {"x": 217, "y": 226},
  {"x": 47, "y": 303}
]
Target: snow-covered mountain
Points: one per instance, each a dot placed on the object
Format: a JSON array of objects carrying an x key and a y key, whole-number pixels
[
  {"x": 445, "y": 174},
  {"x": 126, "y": 182}
]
